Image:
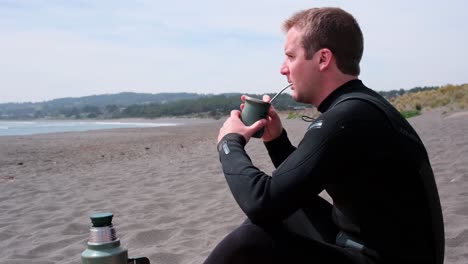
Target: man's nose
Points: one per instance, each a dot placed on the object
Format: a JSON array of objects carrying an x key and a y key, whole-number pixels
[{"x": 284, "y": 69}]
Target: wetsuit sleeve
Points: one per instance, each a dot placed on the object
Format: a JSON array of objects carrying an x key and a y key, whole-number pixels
[
  {"x": 300, "y": 177},
  {"x": 280, "y": 148}
]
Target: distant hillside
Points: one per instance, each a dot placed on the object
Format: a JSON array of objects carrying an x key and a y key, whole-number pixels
[
  {"x": 71, "y": 105},
  {"x": 134, "y": 105},
  {"x": 120, "y": 99}
]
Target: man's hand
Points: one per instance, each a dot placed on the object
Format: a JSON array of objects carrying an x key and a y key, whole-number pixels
[
  {"x": 273, "y": 128},
  {"x": 234, "y": 125}
]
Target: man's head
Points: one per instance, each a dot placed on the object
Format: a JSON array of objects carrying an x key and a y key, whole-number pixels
[
  {"x": 331, "y": 28},
  {"x": 324, "y": 38}
]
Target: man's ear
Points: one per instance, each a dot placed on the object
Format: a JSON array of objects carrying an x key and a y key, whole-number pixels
[{"x": 325, "y": 58}]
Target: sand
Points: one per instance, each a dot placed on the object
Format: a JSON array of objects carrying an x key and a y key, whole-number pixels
[{"x": 166, "y": 189}]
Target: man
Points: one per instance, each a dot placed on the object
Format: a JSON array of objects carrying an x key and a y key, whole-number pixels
[{"x": 367, "y": 157}]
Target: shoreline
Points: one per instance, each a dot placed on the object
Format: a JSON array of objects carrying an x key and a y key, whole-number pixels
[{"x": 42, "y": 126}]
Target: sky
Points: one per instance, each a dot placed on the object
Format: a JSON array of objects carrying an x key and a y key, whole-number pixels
[{"x": 71, "y": 48}]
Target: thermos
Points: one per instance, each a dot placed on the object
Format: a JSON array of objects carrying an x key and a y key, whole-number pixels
[{"x": 104, "y": 246}]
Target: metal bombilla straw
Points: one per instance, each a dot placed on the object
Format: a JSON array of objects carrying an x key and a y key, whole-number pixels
[
  {"x": 282, "y": 90},
  {"x": 304, "y": 117}
]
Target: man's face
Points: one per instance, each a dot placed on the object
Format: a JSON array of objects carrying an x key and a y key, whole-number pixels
[{"x": 302, "y": 73}]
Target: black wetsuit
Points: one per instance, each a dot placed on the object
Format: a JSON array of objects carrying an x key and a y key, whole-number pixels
[{"x": 373, "y": 165}]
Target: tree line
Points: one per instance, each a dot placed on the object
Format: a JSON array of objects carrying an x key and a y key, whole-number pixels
[
  {"x": 213, "y": 106},
  {"x": 129, "y": 105}
]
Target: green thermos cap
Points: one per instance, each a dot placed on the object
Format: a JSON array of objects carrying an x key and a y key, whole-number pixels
[{"x": 101, "y": 219}]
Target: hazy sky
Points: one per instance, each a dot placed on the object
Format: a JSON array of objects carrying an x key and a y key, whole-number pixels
[{"x": 69, "y": 48}]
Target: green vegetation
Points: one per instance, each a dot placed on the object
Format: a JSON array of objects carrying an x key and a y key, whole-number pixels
[
  {"x": 212, "y": 106},
  {"x": 410, "y": 113},
  {"x": 293, "y": 115}
]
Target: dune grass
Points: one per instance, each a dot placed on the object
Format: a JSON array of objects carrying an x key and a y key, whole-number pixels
[{"x": 452, "y": 97}]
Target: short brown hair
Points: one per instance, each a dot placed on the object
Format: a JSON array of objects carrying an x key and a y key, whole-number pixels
[{"x": 331, "y": 28}]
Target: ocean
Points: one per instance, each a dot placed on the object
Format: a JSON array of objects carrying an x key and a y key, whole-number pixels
[{"x": 13, "y": 128}]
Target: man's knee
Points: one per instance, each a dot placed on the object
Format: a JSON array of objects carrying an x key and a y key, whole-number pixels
[{"x": 248, "y": 243}]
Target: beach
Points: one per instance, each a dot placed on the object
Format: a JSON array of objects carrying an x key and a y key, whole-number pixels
[{"x": 166, "y": 189}]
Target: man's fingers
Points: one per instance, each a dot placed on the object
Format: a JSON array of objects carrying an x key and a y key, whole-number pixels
[
  {"x": 266, "y": 98},
  {"x": 272, "y": 112}
]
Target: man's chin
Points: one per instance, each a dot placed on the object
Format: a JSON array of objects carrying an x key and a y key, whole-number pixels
[{"x": 296, "y": 97}]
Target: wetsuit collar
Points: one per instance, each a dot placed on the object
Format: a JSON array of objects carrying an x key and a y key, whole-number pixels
[{"x": 345, "y": 88}]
